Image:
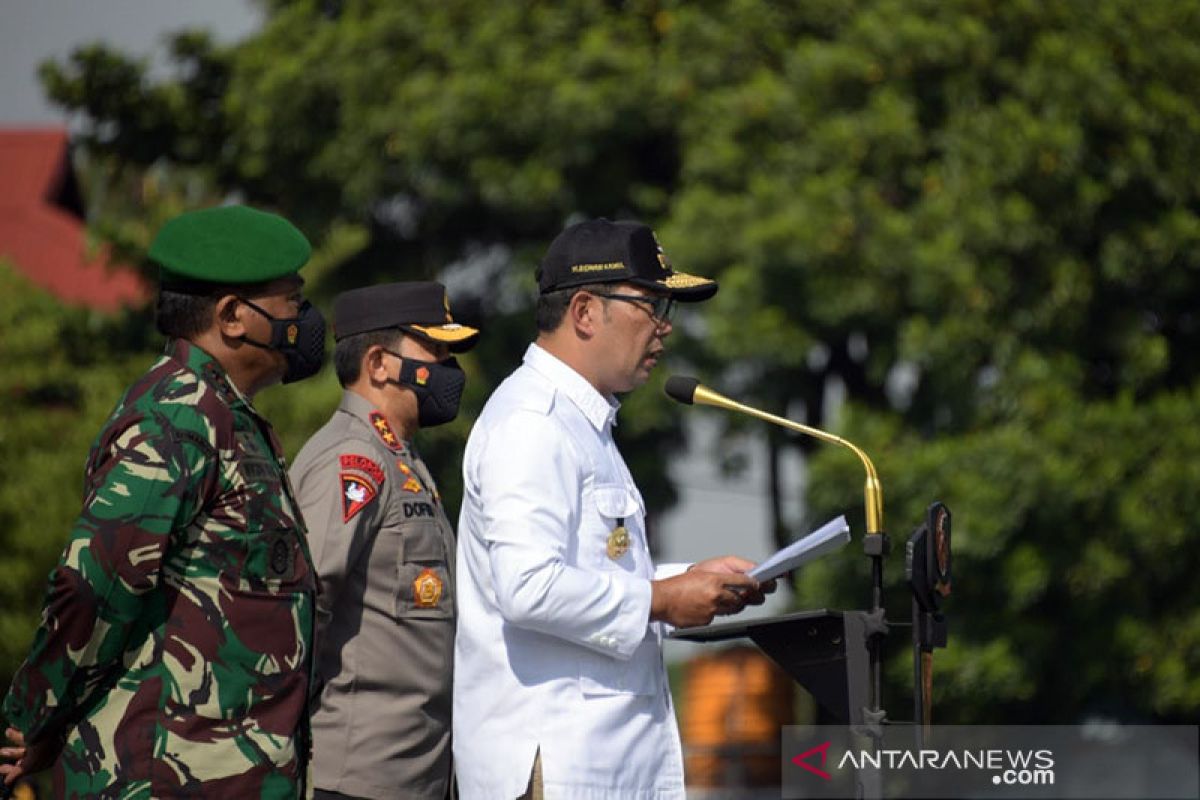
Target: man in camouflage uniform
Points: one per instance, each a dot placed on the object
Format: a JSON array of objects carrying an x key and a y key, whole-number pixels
[
  {"x": 384, "y": 548},
  {"x": 174, "y": 652}
]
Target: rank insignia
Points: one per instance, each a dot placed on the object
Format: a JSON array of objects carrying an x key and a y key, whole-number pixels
[
  {"x": 411, "y": 484},
  {"x": 381, "y": 426},
  {"x": 357, "y": 494},
  {"x": 427, "y": 589},
  {"x": 618, "y": 541}
]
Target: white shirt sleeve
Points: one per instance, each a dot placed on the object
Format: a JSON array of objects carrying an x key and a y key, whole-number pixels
[
  {"x": 530, "y": 481},
  {"x": 664, "y": 571}
]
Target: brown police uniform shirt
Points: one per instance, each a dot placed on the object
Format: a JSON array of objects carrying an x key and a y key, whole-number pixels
[{"x": 384, "y": 551}]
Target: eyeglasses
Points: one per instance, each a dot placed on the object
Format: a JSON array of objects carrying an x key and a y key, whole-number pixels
[{"x": 661, "y": 306}]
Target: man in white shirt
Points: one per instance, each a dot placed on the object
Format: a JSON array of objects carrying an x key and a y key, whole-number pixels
[{"x": 559, "y": 684}]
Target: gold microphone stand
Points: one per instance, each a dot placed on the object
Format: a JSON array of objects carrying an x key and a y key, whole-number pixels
[{"x": 875, "y": 545}]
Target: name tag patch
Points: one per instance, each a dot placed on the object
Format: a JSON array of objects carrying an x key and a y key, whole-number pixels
[{"x": 417, "y": 509}]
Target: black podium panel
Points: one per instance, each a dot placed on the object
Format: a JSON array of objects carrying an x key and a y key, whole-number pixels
[{"x": 824, "y": 651}]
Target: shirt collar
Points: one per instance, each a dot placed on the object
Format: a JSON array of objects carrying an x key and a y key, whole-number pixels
[
  {"x": 210, "y": 370},
  {"x": 356, "y": 405},
  {"x": 599, "y": 410}
]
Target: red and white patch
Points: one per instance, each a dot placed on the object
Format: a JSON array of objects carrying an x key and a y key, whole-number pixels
[
  {"x": 353, "y": 461},
  {"x": 357, "y": 494}
]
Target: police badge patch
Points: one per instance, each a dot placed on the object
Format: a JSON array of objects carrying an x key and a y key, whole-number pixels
[
  {"x": 357, "y": 494},
  {"x": 427, "y": 589}
]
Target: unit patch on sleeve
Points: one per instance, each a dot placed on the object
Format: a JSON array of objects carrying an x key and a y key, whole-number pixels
[
  {"x": 362, "y": 464},
  {"x": 357, "y": 494}
]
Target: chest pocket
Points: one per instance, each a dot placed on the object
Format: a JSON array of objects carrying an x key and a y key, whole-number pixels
[
  {"x": 599, "y": 674},
  {"x": 425, "y": 587},
  {"x": 615, "y": 506}
]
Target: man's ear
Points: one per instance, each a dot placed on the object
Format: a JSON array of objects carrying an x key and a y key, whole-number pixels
[
  {"x": 374, "y": 366},
  {"x": 228, "y": 314},
  {"x": 583, "y": 311}
]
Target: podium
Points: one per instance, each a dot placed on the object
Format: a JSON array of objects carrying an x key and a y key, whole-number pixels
[
  {"x": 837, "y": 655},
  {"x": 826, "y": 652}
]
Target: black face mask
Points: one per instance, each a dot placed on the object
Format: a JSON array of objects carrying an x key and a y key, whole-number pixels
[
  {"x": 301, "y": 339},
  {"x": 438, "y": 387}
]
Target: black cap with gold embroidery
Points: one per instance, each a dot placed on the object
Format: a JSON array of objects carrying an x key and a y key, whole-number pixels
[
  {"x": 418, "y": 307},
  {"x": 601, "y": 251}
]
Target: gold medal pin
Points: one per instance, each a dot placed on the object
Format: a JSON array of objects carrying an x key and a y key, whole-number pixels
[{"x": 618, "y": 541}]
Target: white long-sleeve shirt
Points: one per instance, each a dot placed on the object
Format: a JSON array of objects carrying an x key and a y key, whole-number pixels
[{"x": 555, "y": 650}]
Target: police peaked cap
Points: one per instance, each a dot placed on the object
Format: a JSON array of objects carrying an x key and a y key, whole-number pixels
[{"x": 417, "y": 307}]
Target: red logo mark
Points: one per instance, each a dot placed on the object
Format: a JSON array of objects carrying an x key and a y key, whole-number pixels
[
  {"x": 823, "y": 749},
  {"x": 362, "y": 464}
]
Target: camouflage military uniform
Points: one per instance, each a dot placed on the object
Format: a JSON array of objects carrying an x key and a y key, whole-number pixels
[{"x": 175, "y": 646}]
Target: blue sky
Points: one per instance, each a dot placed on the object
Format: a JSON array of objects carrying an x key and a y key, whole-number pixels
[{"x": 32, "y": 31}]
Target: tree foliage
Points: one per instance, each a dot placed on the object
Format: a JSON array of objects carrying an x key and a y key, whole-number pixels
[{"x": 965, "y": 234}]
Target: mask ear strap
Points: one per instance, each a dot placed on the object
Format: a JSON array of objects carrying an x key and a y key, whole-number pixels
[
  {"x": 399, "y": 379},
  {"x": 256, "y": 307},
  {"x": 408, "y": 369}
]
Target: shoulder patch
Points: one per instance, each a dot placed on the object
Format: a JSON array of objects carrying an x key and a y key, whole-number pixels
[
  {"x": 357, "y": 494},
  {"x": 353, "y": 461},
  {"x": 380, "y": 424}
]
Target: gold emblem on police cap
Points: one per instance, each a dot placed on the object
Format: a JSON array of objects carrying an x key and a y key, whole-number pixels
[{"x": 618, "y": 541}]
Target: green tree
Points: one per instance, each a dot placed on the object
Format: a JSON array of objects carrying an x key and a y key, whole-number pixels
[
  {"x": 64, "y": 370},
  {"x": 979, "y": 221}
]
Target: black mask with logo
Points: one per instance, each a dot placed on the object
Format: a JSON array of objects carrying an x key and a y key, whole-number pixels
[
  {"x": 301, "y": 339},
  {"x": 437, "y": 385}
]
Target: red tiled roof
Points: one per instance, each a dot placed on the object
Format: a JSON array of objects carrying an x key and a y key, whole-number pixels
[{"x": 46, "y": 241}]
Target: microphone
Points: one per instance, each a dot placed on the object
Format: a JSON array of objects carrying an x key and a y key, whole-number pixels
[
  {"x": 688, "y": 390},
  {"x": 681, "y": 388}
]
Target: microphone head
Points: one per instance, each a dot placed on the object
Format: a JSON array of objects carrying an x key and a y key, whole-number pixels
[{"x": 681, "y": 388}]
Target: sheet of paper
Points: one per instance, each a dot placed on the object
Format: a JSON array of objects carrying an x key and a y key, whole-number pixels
[{"x": 825, "y": 539}]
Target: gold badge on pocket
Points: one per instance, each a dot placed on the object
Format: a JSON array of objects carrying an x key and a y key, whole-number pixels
[
  {"x": 427, "y": 589},
  {"x": 618, "y": 541}
]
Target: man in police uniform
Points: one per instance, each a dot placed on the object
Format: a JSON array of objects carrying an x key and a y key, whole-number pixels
[
  {"x": 384, "y": 548},
  {"x": 174, "y": 653}
]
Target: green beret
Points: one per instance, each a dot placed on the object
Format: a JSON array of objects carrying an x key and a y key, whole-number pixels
[{"x": 228, "y": 245}]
